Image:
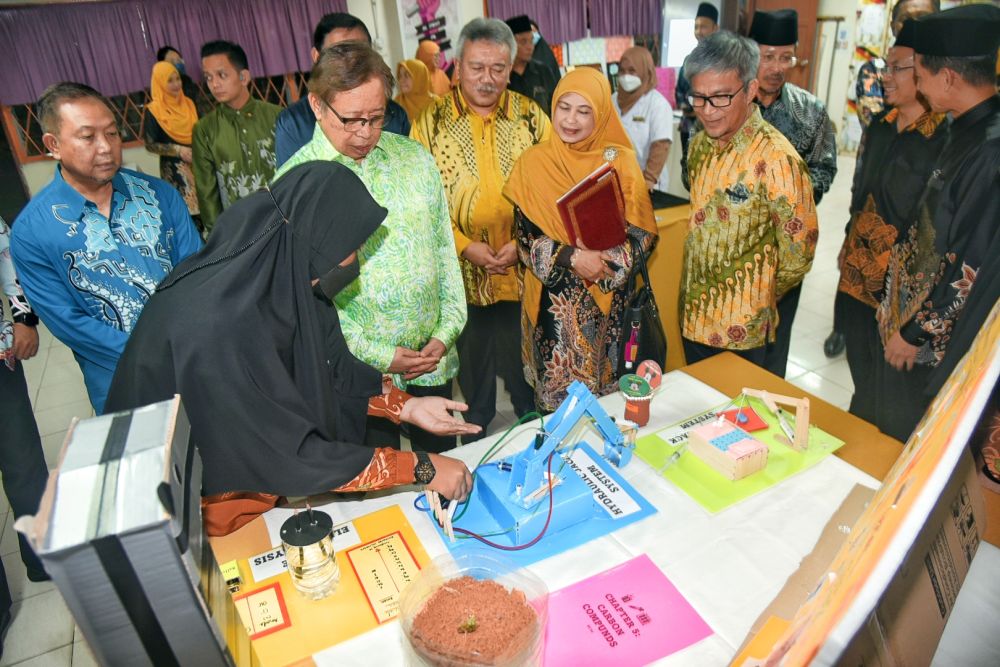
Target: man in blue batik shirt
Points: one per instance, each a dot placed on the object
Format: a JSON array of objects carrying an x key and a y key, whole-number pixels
[{"x": 92, "y": 246}]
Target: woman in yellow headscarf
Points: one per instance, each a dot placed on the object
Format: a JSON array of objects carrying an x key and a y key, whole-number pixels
[
  {"x": 167, "y": 129},
  {"x": 428, "y": 53},
  {"x": 574, "y": 298},
  {"x": 414, "y": 88}
]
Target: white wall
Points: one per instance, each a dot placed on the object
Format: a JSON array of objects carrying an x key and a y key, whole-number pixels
[{"x": 839, "y": 59}]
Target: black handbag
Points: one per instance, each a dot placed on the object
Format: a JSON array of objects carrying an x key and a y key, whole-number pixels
[{"x": 642, "y": 335}]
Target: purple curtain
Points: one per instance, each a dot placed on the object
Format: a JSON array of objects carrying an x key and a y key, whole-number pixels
[
  {"x": 636, "y": 17},
  {"x": 112, "y": 45},
  {"x": 558, "y": 20},
  {"x": 100, "y": 44}
]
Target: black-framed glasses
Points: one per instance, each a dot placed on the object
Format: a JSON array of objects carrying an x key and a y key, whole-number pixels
[
  {"x": 717, "y": 101},
  {"x": 357, "y": 124}
]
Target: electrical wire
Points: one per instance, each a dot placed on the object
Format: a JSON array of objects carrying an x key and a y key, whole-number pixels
[{"x": 519, "y": 547}]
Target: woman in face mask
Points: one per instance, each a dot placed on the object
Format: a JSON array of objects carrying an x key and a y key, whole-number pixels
[
  {"x": 647, "y": 117},
  {"x": 245, "y": 332}
]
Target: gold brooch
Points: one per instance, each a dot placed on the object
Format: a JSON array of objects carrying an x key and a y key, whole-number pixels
[{"x": 610, "y": 154}]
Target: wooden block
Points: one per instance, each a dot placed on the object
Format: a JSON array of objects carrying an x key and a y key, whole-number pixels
[{"x": 728, "y": 449}]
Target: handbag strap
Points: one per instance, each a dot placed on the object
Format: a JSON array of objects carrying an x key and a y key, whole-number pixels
[{"x": 639, "y": 260}]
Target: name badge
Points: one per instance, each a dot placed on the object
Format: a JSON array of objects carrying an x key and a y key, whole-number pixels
[{"x": 639, "y": 119}]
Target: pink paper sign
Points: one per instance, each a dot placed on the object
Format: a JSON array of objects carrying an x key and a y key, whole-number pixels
[{"x": 628, "y": 615}]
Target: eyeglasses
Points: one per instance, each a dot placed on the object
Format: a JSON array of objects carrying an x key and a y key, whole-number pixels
[
  {"x": 785, "y": 59},
  {"x": 894, "y": 70},
  {"x": 717, "y": 101},
  {"x": 357, "y": 124}
]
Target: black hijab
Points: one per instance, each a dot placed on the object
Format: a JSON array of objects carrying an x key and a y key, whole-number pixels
[{"x": 276, "y": 401}]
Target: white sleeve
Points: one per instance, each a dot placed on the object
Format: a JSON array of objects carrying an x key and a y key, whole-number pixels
[{"x": 661, "y": 118}]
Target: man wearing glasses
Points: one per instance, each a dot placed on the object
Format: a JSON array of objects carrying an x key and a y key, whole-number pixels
[
  {"x": 407, "y": 308},
  {"x": 753, "y": 229},
  {"x": 802, "y": 118},
  {"x": 501, "y": 124}
]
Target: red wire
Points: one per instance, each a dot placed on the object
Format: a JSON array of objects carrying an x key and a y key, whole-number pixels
[{"x": 538, "y": 537}]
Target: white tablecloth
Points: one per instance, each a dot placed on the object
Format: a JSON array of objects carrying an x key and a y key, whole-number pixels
[{"x": 729, "y": 566}]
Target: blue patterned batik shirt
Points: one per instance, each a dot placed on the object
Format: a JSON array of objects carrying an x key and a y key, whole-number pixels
[{"x": 87, "y": 276}]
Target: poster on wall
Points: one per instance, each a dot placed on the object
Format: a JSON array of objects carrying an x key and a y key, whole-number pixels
[{"x": 436, "y": 20}]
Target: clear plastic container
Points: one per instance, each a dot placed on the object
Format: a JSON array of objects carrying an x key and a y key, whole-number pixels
[{"x": 526, "y": 649}]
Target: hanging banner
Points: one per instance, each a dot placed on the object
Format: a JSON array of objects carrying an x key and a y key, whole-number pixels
[{"x": 436, "y": 20}]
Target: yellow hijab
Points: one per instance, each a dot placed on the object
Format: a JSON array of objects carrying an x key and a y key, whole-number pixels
[
  {"x": 176, "y": 115},
  {"x": 427, "y": 53},
  {"x": 548, "y": 170},
  {"x": 420, "y": 96},
  {"x": 642, "y": 60}
]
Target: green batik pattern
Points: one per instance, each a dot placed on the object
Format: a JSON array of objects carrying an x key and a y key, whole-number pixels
[{"x": 410, "y": 288}]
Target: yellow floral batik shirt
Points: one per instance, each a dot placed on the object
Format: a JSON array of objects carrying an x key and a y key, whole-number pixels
[
  {"x": 751, "y": 237},
  {"x": 475, "y": 155}
]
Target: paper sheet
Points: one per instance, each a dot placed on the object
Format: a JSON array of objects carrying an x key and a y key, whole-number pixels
[
  {"x": 711, "y": 489},
  {"x": 628, "y": 615},
  {"x": 383, "y": 567},
  {"x": 346, "y": 613}
]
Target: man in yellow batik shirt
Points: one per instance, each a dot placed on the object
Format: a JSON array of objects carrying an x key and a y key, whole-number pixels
[
  {"x": 753, "y": 228},
  {"x": 476, "y": 133}
]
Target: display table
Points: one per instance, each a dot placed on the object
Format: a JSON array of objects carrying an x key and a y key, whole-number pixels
[
  {"x": 665, "y": 273},
  {"x": 729, "y": 565}
]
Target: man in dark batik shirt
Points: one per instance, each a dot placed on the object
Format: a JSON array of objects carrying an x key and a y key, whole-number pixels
[
  {"x": 706, "y": 22},
  {"x": 895, "y": 159},
  {"x": 868, "y": 91},
  {"x": 802, "y": 118},
  {"x": 948, "y": 256},
  {"x": 530, "y": 77}
]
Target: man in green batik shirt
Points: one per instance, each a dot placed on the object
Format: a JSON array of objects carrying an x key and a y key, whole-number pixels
[
  {"x": 233, "y": 146},
  {"x": 407, "y": 308}
]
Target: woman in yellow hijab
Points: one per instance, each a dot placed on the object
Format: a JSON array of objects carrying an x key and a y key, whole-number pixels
[
  {"x": 167, "y": 129},
  {"x": 428, "y": 53},
  {"x": 414, "y": 88},
  {"x": 574, "y": 298}
]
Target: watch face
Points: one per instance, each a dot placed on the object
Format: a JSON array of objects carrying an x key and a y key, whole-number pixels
[{"x": 424, "y": 472}]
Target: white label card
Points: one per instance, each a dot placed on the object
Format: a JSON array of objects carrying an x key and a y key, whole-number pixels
[
  {"x": 607, "y": 493},
  {"x": 271, "y": 563},
  {"x": 268, "y": 564}
]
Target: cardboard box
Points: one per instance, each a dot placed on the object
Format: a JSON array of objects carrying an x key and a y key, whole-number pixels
[
  {"x": 119, "y": 530},
  {"x": 910, "y": 617}
]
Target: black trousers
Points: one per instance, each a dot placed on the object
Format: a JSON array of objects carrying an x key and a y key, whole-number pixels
[
  {"x": 383, "y": 433},
  {"x": 900, "y": 400},
  {"x": 490, "y": 347},
  {"x": 697, "y": 351},
  {"x": 864, "y": 352},
  {"x": 776, "y": 358},
  {"x": 22, "y": 463}
]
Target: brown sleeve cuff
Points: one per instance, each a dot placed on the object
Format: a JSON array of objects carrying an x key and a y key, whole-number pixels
[{"x": 389, "y": 467}]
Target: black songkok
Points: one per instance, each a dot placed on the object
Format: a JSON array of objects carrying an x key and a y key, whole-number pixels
[
  {"x": 519, "y": 24},
  {"x": 907, "y": 34},
  {"x": 966, "y": 31},
  {"x": 708, "y": 11},
  {"x": 777, "y": 28}
]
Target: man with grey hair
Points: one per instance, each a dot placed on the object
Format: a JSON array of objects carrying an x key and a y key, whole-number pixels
[
  {"x": 405, "y": 312},
  {"x": 751, "y": 203},
  {"x": 500, "y": 125}
]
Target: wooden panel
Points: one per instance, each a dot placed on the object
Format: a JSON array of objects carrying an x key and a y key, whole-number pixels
[{"x": 665, "y": 275}]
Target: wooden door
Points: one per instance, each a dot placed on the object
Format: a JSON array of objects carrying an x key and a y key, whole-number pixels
[{"x": 801, "y": 74}]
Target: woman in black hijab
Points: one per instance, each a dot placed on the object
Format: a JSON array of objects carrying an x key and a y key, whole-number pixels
[{"x": 245, "y": 332}]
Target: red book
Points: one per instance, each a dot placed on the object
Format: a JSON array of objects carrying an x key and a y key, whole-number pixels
[{"x": 594, "y": 210}]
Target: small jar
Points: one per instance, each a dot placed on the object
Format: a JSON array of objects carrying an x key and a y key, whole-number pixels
[{"x": 307, "y": 539}]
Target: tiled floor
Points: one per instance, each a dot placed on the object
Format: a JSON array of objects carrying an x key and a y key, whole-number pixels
[{"x": 43, "y": 633}]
